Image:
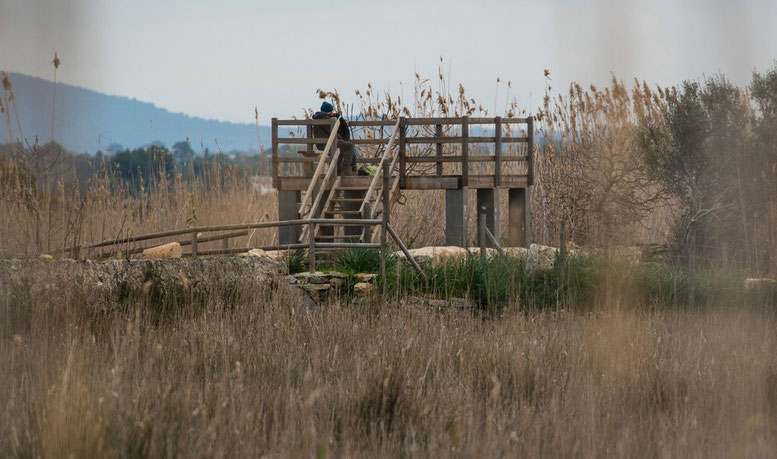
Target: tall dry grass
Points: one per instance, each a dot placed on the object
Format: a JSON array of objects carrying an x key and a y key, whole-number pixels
[{"x": 262, "y": 378}]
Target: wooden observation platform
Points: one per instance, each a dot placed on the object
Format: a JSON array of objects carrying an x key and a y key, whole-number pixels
[{"x": 451, "y": 154}]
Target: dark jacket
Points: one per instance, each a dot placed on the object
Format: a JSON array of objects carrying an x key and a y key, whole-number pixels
[{"x": 323, "y": 131}]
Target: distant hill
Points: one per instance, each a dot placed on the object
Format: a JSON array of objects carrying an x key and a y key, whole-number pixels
[{"x": 87, "y": 120}]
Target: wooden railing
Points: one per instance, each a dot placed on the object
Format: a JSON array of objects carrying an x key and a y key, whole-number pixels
[{"x": 413, "y": 132}]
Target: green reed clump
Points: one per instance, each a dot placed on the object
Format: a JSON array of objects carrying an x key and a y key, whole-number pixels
[{"x": 585, "y": 281}]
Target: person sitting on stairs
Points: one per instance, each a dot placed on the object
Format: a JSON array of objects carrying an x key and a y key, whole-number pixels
[{"x": 347, "y": 163}]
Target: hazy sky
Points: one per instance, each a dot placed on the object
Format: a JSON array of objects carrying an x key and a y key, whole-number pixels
[{"x": 220, "y": 59}]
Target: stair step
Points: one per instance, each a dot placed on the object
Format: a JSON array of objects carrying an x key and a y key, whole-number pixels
[
  {"x": 330, "y": 237},
  {"x": 343, "y": 212},
  {"x": 355, "y": 188},
  {"x": 347, "y": 200}
]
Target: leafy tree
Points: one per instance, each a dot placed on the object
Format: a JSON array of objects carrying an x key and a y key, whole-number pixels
[{"x": 183, "y": 152}]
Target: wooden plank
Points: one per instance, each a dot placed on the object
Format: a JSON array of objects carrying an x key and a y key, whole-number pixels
[
  {"x": 465, "y": 151},
  {"x": 476, "y": 120},
  {"x": 285, "y": 159},
  {"x": 369, "y": 141},
  {"x": 321, "y": 122},
  {"x": 373, "y": 123},
  {"x": 402, "y": 151},
  {"x": 438, "y": 134},
  {"x": 430, "y": 121},
  {"x": 417, "y": 140},
  {"x": 312, "y": 247},
  {"x": 498, "y": 151},
  {"x": 478, "y": 139},
  {"x": 433, "y": 159},
  {"x": 274, "y": 129},
  {"x": 422, "y": 182},
  {"x": 530, "y": 149},
  {"x": 309, "y": 135},
  {"x": 302, "y": 140}
]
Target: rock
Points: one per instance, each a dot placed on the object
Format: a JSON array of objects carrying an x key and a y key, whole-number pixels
[
  {"x": 302, "y": 297},
  {"x": 317, "y": 277},
  {"x": 517, "y": 252},
  {"x": 45, "y": 257},
  {"x": 366, "y": 277},
  {"x": 362, "y": 289},
  {"x": 435, "y": 255},
  {"x": 110, "y": 284},
  {"x": 540, "y": 257},
  {"x": 760, "y": 284},
  {"x": 276, "y": 254},
  {"x": 319, "y": 292},
  {"x": 171, "y": 250},
  {"x": 254, "y": 253},
  {"x": 490, "y": 252}
]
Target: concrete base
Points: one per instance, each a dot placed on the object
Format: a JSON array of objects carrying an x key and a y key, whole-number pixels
[
  {"x": 488, "y": 202},
  {"x": 519, "y": 217},
  {"x": 287, "y": 210},
  {"x": 456, "y": 218}
]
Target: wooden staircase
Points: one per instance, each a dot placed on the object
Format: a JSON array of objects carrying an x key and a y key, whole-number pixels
[{"x": 347, "y": 197}]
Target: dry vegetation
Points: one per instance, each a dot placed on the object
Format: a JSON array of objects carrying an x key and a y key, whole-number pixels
[
  {"x": 260, "y": 377},
  {"x": 252, "y": 375}
]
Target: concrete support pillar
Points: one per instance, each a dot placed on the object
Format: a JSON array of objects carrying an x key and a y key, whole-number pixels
[
  {"x": 456, "y": 217},
  {"x": 519, "y": 218},
  {"x": 488, "y": 198},
  {"x": 287, "y": 210}
]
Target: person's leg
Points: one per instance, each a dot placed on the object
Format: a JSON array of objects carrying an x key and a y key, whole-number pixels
[{"x": 347, "y": 160}]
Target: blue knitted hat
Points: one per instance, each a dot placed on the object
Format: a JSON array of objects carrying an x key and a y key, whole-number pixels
[{"x": 326, "y": 107}]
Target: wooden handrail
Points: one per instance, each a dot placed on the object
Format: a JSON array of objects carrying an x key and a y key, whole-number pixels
[
  {"x": 316, "y": 175},
  {"x": 320, "y": 194},
  {"x": 379, "y": 173}
]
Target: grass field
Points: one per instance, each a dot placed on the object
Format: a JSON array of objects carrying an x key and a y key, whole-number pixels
[{"x": 260, "y": 377}]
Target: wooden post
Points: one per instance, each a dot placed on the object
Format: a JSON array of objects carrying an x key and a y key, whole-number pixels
[
  {"x": 385, "y": 221},
  {"x": 194, "y": 243},
  {"x": 402, "y": 152},
  {"x": 497, "y": 151},
  {"x": 482, "y": 232},
  {"x": 309, "y": 134},
  {"x": 438, "y": 134},
  {"x": 464, "y": 151},
  {"x": 530, "y": 150},
  {"x": 312, "y": 247},
  {"x": 274, "y": 128}
]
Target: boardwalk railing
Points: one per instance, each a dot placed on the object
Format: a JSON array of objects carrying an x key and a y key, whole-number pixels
[{"x": 464, "y": 148}]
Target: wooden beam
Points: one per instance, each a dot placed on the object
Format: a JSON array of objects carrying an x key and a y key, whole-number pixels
[
  {"x": 274, "y": 129},
  {"x": 465, "y": 151},
  {"x": 402, "y": 151},
  {"x": 438, "y": 134},
  {"x": 530, "y": 148},
  {"x": 498, "y": 151}
]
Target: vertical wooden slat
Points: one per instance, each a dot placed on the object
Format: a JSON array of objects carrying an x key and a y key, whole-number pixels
[
  {"x": 402, "y": 152},
  {"x": 438, "y": 134},
  {"x": 464, "y": 151},
  {"x": 498, "y": 151},
  {"x": 274, "y": 128},
  {"x": 312, "y": 247},
  {"x": 530, "y": 147},
  {"x": 310, "y": 136}
]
